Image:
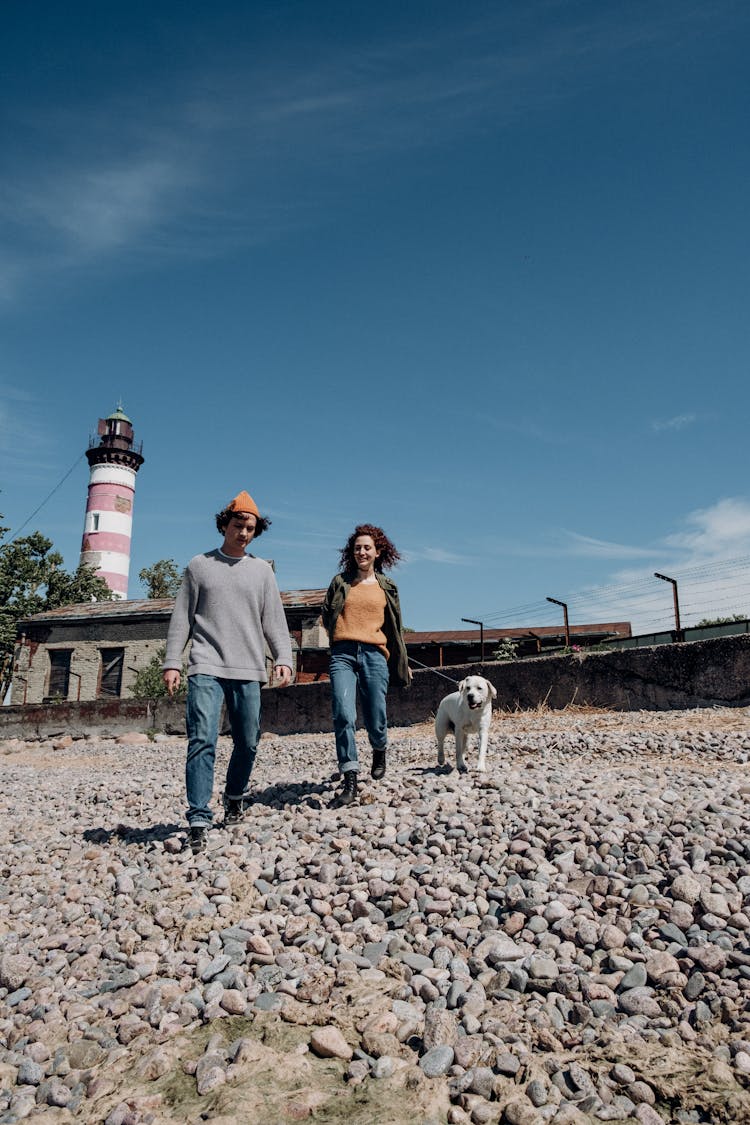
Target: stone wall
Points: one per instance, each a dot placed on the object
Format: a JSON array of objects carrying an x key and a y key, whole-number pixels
[
  {"x": 86, "y": 663},
  {"x": 141, "y": 640},
  {"x": 698, "y": 674}
]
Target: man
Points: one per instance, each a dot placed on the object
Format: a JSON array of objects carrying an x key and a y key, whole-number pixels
[{"x": 229, "y": 607}]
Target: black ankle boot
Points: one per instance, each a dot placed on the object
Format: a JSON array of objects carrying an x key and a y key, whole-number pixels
[
  {"x": 378, "y": 763},
  {"x": 349, "y": 792}
]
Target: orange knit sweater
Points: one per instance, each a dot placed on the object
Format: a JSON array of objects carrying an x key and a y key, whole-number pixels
[{"x": 363, "y": 616}]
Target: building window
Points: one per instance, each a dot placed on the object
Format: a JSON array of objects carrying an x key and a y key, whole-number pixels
[
  {"x": 112, "y": 663},
  {"x": 59, "y": 673}
]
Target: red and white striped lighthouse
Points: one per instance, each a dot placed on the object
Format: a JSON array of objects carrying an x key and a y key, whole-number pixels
[{"x": 108, "y": 527}]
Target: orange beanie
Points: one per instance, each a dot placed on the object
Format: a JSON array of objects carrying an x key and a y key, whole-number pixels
[{"x": 243, "y": 502}]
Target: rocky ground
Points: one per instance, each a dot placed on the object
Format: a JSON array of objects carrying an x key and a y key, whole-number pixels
[{"x": 563, "y": 939}]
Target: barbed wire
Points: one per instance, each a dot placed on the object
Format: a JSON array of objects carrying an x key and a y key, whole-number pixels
[{"x": 618, "y": 601}]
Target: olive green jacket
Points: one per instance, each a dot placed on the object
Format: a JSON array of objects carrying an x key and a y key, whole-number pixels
[{"x": 398, "y": 661}]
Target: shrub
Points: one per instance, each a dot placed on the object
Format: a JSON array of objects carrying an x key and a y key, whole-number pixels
[
  {"x": 506, "y": 650},
  {"x": 148, "y": 680}
]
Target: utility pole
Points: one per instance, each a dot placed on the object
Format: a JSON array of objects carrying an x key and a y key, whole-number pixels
[
  {"x": 565, "y": 618},
  {"x": 536, "y": 638},
  {"x": 471, "y": 621},
  {"x": 678, "y": 630}
]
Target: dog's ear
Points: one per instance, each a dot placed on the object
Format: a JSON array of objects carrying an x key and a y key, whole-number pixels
[
  {"x": 492, "y": 689},
  {"x": 462, "y": 685}
]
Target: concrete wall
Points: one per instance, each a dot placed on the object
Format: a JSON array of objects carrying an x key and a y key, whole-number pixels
[{"x": 697, "y": 674}]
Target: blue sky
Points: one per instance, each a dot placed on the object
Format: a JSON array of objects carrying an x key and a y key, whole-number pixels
[{"x": 475, "y": 272}]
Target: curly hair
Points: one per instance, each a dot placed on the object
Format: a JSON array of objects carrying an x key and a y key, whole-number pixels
[
  {"x": 224, "y": 516},
  {"x": 388, "y": 556}
]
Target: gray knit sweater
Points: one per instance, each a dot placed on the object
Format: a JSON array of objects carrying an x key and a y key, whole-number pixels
[{"x": 228, "y": 608}]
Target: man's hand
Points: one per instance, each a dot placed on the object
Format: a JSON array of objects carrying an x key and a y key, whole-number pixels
[
  {"x": 282, "y": 675},
  {"x": 171, "y": 679}
]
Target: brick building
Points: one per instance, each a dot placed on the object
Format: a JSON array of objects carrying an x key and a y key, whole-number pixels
[{"x": 95, "y": 650}]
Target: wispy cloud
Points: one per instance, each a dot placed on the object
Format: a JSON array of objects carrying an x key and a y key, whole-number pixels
[
  {"x": 589, "y": 547},
  {"x": 561, "y": 543},
  {"x": 100, "y": 209},
  {"x": 525, "y": 428},
  {"x": 678, "y": 422},
  {"x": 436, "y": 555},
  {"x": 715, "y": 532},
  {"x": 76, "y": 214}
]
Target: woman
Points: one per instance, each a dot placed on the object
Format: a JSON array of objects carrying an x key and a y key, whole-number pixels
[{"x": 363, "y": 618}]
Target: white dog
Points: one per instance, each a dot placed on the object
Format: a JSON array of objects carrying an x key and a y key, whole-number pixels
[{"x": 466, "y": 711}]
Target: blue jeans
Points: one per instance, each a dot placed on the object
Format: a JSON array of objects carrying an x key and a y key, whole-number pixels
[
  {"x": 354, "y": 665},
  {"x": 202, "y": 713}
]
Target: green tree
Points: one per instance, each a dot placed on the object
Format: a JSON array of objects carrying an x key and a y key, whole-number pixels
[
  {"x": 148, "y": 683},
  {"x": 506, "y": 650},
  {"x": 83, "y": 585},
  {"x": 32, "y": 579},
  {"x": 162, "y": 580}
]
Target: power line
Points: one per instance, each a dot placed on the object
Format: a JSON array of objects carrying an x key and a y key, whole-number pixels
[{"x": 59, "y": 484}]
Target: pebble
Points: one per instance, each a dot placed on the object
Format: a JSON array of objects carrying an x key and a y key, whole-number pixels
[
  {"x": 436, "y": 1061},
  {"x": 384, "y": 1067},
  {"x": 329, "y": 1043},
  {"x": 536, "y": 1092},
  {"x": 591, "y": 891},
  {"x": 520, "y": 1113}
]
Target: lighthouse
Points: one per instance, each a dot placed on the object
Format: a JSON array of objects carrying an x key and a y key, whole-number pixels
[{"x": 114, "y": 461}]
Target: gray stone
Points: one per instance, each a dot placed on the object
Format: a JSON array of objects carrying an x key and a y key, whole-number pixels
[
  {"x": 508, "y": 1064},
  {"x": 383, "y": 1067},
  {"x": 417, "y": 961},
  {"x": 695, "y": 985},
  {"x": 53, "y": 1092},
  {"x": 85, "y": 1053},
  {"x": 269, "y": 1002},
  {"x": 436, "y": 1061},
  {"x": 634, "y": 978},
  {"x": 481, "y": 1079},
  {"x": 30, "y": 1073},
  {"x": 639, "y": 1002},
  {"x": 536, "y": 1092}
]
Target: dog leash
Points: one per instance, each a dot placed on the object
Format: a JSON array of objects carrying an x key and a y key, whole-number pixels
[{"x": 429, "y": 669}]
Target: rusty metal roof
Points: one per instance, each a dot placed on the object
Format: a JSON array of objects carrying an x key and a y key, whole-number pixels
[
  {"x": 471, "y": 636},
  {"x": 303, "y": 599},
  {"x": 97, "y": 611}
]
